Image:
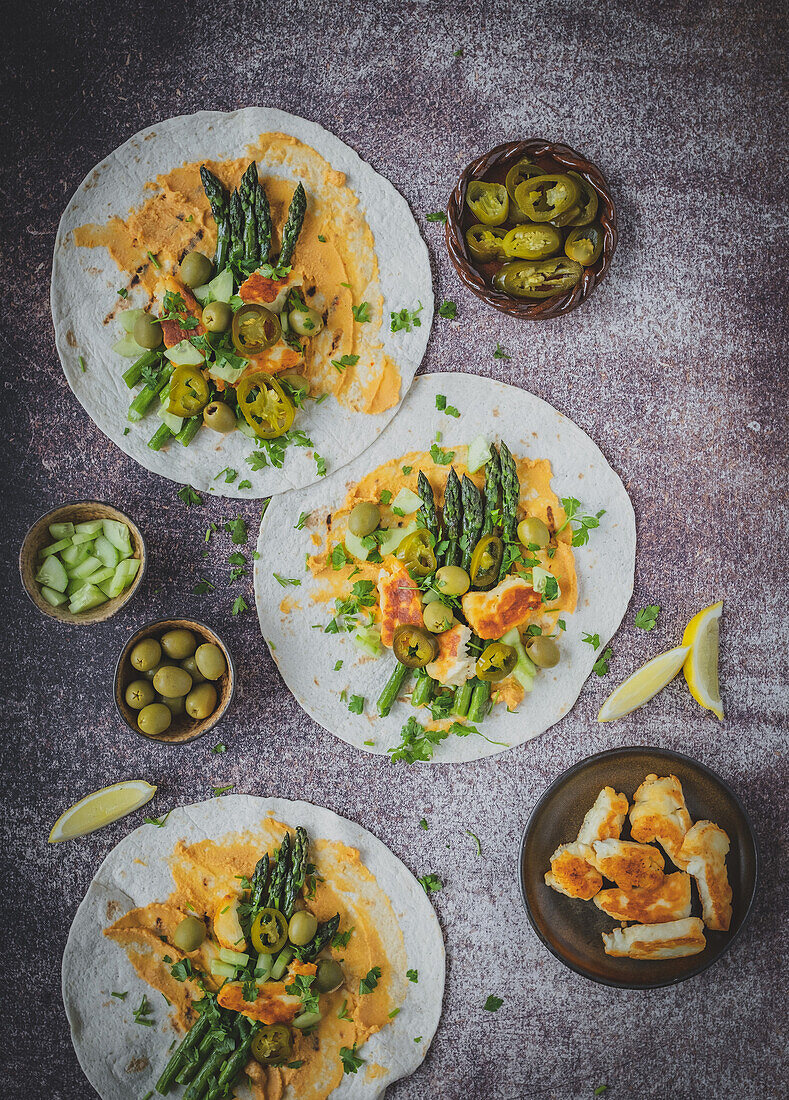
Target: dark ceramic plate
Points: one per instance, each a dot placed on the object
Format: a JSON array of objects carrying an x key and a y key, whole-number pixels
[{"x": 571, "y": 929}]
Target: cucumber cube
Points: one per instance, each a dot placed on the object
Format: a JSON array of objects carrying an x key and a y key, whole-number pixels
[
  {"x": 90, "y": 527},
  {"x": 55, "y": 548},
  {"x": 55, "y": 599},
  {"x": 122, "y": 578},
  {"x": 104, "y": 549},
  {"x": 478, "y": 454},
  {"x": 407, "y": 501},
  {"x": 88, "y": 597},
  {"x": 61, "y": 530},
  {"x": 88, "y": 566},
  {"x": 81, "y": 537},
  {"x": 74, "y": 586},
  {"x": 53, "y": 574},
  {"x": 74, "y": 555},
  {"x": 129, "y": 318},
  {"x": 118, "y": 534},
  {"x": 100, "y": 576}
]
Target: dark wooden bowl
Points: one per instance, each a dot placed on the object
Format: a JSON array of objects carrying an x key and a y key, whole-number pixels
[
  {"x": 38, "y": 537},
  {"x": 571, "y": 929},
  {"x": 183, "y": 728},
  {"x": 494, "y": 166}
]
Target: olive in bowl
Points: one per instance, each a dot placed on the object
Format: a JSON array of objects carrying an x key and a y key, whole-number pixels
[{"x": 174, "y": 680}]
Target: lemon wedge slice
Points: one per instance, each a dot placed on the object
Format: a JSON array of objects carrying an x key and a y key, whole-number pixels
[
  {"x": 101, "y": 808},
  {"x": 702, "y": 634},
  {"x": 644, "y": 684}
]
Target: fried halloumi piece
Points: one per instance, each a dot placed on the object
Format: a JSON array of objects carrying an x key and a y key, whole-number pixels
[
  {"x": 453, "y": 665},
  {"x": 673, "y": 940},
  {"x": 704, "y": 852},
  {"x": 605, "y": 818},
  {"x": 491, "y": 614},
  {"x": 629, "y": 865},
  {"x": 572, "y": 874},
  {"x": 659, "y": 813},
  {"x": 400, "y": 600},
  {"x": 669, "y": 900}
]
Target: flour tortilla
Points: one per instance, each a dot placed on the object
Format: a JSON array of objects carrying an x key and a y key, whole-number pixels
[
  {"x": 605, "y": 567},
  {"x": 137, "y": 872},
  {"x": 85, "y": 283}
]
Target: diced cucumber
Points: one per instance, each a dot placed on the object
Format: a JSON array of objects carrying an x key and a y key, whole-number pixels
[
  {"x": 478, "y": 454},
  {"x": 263, "y": 967},
  {"x": 74, "y": 586},
  {"x": 55, "y": 599},
  {"x": 80, "y": 538},
  {"x": 122, "y": 578},
  {"x": 88, "y": 597},
  {"x": 53, "y": 574},
  {"x": 394, "y": 536},
  {"x": 202, "y": 293},
  {"x": 55, "y": 548},
  {"x": 118, "y": 534},
  {"x": 184, "y": 354},
  {"x": 101, "y": 575},
  {"x": 307, "y": 1019},
  {"x": 104, "y": 549},
  {"x": 525, "y": 670},
  {"x": 245, "y": 428},
  {"x": 173, "y": 422},
  {"x": 61, "y": 530},
  {"x": 281, "y": 963},
  {"x": 128, "y": 347},
  {"x": 129, "y": 317},
  {"x": 540, "y": 580},
  {"x": 226, "y": 372},
  {"x": 235, "y": 958},
  {"x": 73, "y": 555},
  {"x": 355, "y": 546},
  {"x": 84, "y": 569},
  {"x": 221, "y": 286},
  {"x": 222, "y": 969},
  {"x": 368, "y": 639},
  {"x": 90, "y": 527},
  {"x": 407, "y": 501}
]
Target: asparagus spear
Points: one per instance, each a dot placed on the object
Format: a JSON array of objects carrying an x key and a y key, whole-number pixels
[
  {"x": 423, "y": 690},
  {"x": 463, "y": 698},
  {"x": 182, "y": 1052},
  {"x": 453, "y": 518},
  {"x": 326, "y": 932},
  {"x": 236, "y": 253},
  {"x": 295, "y": 880},
  {"x": 281, "y": 870},
  {"x": 510, "y": 497},
  {"x": 233, "y": 1066},
  {"x": 247, "y": 191},
  {"x": 213, "y": 1064},
  {"x": 479, "y": 705},
  {"x": 258, "y": 885},
  {"x": 263, "y": 221},
  {"x": 427, "y": 514},
  {"x": 189, "y": 430},
  {"x": 293, "y": 224},
  {"x": 473, "y": 519},
  {"x": 492, "y": 481},
  {"x": 132, "y": 375},
  {"x": 144, "y": 399},
  {"x": 160, "y": 437},
  {"x": 217, "y": 197},
  {"x": 391, "y": 689}
]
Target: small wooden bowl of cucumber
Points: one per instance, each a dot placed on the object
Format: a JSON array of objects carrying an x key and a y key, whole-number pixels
[{"x": 82, "y": 562}]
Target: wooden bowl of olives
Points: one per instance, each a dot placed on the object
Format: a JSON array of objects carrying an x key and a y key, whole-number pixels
[
  {"x": 531, "y": 228},
  {"x": 174, "y": 680}
]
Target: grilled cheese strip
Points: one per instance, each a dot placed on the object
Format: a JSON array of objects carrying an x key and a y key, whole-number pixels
[
  {"x": 659, "y": 813},
  {"x": 605, "y": 818},
  {"x": 673, "y": 940},
  {"x": 270, "y": 293},
  {"x": 510, "y": 603},
  {"x": 704, "y": 852},
  {"x": 453, "y": 666},
  {"x": 629, "y": 865},
  {"x": 275, "y": 359},
  {"x": 400, "y": 601},
  {"x": 172, "y": 332},
  {"x": 272, "y": 1004},
  {"x": 572, "y": 874},
  {"x": 669, "y": 900}
]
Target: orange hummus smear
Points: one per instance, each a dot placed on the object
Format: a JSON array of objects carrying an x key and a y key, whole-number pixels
[
  {"x": 207, "y": 872},
  {"x": 335, "y": 258}
]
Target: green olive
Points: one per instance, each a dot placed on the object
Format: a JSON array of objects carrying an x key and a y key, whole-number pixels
[
  {"x": 147, "y": 332},
  {"x": 296, "y": 381},
  {"x": 178, "y": 644},
  {"x": 438, "y": 617},
  {"x": 364, "y": 518},
  {"x": 329, "y": 976},
  {"x": 543, "y": 651},
  {"x": 219, "y": 417},
  {"x": 533, "y": 532},
  {"x": 175, "y": 704},
  {"x": 302, "y": 927},
  {"x": 195, "y": 269},
  {"x": 154, "y": 719},
  {"x": 211, "y": 661},
  {"x": 305, "y": 321},
  {"x": 139, "y": 694},
  {"x": 201, "y": 701},
  {"x": 151, "y": 672},
  {"x": 217, "y": 317},
  {"x": 451, "y": 580},
  {"x": 172, "y": 681},
  {"x": 190, "y": 664},
  {"x": 189, "y": 934},
  {"x": 146, "y": 655}
]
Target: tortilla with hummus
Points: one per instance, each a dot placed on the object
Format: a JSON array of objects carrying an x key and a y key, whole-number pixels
[
  {"x": 358, "y": 258},
  {"x": 122, "y": 968},
  {"x": 341, "y": 614}
]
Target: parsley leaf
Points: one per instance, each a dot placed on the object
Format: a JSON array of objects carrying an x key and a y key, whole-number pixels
[
  {"x": 448, "y": 310},
  {"x": 386, "y": 496},
  {"x": 572, "y": 511},
  {"x": 339, "y": 556},
  {"x": 159, "y": 822},
  {"x": 417, "y": 742},
  {"x": 356, "y": 705},
  {"x": 237, "y": 529},
  {"x": 601, "y": 664},
  {"x": 500, "y": 353},
  {"x": 341, "y": 939},
  {"x": 423, "y": 824},
  {"x": 493, "y": 1004},
  {"x": 343, "y": 1013},
  {"x": 440, "y": 457},
  {"x": 239, "y": 605},
  {"x": 337, "y": 666},
  {"x": 646, "y": 618},
  {"x": 189, "y": 495},
  {"x": 345, "y": 361},
  {"x": 350, "y": 1060},
  {"x": 441, "y": 405},
  {"x": 123, "y": 292},
  {"x": 405, "y": 319},
  {"x": 362, "y": 313},
  {"x": 218, "y": 791},
  {"x": 320, "y": 463},
  {"x": 591, "y": 639},
  {"x": 407, "y": 470},
  {"x": 430, "y": 883},
  {"x": 202, "y": 587},
  {"x": 600, "y": 1090},
  {"x": 368, "y": 983},
  {"x": 230, "y": 475},
  {"x": 219, "y": 748},
  {"x": 412, "y": 975},
  {"x": 245, "y": 484},
  {"x": 285, "y": 581},
  {"x": 302, "y": 988},
  {"x": 436, "y": 216},
  {"x": 182, "y": 970},
  {"x": 303, "y": 517}
]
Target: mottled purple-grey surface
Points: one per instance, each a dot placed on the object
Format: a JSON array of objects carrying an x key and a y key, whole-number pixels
[{"x": 675, "y": 367}]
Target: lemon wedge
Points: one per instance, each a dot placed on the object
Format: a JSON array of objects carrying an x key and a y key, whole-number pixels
[
  {"x": 702, "y": 634},
  {"x": 101, "y": 808},
  {"x": 644, "y": 684}
]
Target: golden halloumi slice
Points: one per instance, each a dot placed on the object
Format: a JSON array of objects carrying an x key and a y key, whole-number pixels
[
  {"x": 669, "y": 900},
  {"x": 704, "y": 852},
  {"x": 273, "y": 1005},
  {"x": 673, "y": 940},
  {"x": 659, "y": 813},
  {"x": 628, "y": 864},
  {"x": 571, "y": 873},
  {"x": 510, "y": 603},
  {"x": 605, "y": 818},
  {"x": 400, "y": 601},
  {"x": 453, "y": 665}
]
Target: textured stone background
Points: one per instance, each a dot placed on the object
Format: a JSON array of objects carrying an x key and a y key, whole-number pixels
[{"x": 674, "y": 367}]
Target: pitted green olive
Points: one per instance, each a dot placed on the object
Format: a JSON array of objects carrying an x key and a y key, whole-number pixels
[
  {"x": 210, "y": 660},
  {"x": 451, "y": 580},
  {"x": 154, "y": 719},
  {"x": 364, "y": 518},
  {"x": 139, "y": 694},
  {"x": 219, "y": 417},
  {"x": 189, "y": 934},
  {"x": 302, "y": 927},
  {"x": 190, "y": 664},
  {"x": 146, "y": 655},
  {"x": 437, "y": 617},
  {"x": 147, "y": 332},
  {"x": 543, "y": 651},
  {"x": 201, "y": 701},
  {"x": 172, "y": 681},
  {"x": 178, "y": 644},
  {"x": 195, "y": 269},
  {"x": 305, "y": 321},
  {"x": 533, "y": 532},
  {"x": 217, "y": 317}
]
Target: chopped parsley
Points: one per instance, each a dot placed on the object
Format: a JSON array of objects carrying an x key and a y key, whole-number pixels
[
  {"x": 448, "y": 309},
  {"x": 362, "y": 313},
  {"x": 303, "y": 517},
  {"x": 441, "y": 405},
  {"x": 430, "y": 883},
  {"x": 343, "y": 1013},
  {"x": 189, "y": 495},
  {"x": 440, "y": 457},
  {"x": 237, "y": 529},
  {"x": 320, "y": 464},
  {"x": 646, "y": 618},
  {"x": 230, "y": 475},
  {"x": 340, "y": 556},
  {"x": 386, "y": 496},
  {"x": 239, "y": 605},
  {"x": 493, "y": 1004},
  {"x": 345, "y": 361},
  {"x": 123, "y": 292},
  {"x": 500, "y": 352},
  {"x": 219, "y": 748},
  {"x": 120, "y": 996},
  {"x": 142, "y": 1013},
  {"x": 600, "y": 1090},
  {"x": 302, "y": 988},
  {"x": 417, "y": 742},
  {"x": 591, "y": 639},
  {"x": 218, "y": 791},
  {"x": 573, "y": 513},
  {"x": 406, "y": 319},
  {"x": 321, "y": 238},
  {"x": 356, "y": 705},
  {"x": 393, "y": 1013},
  {"x": 407, "y": 470},
  {"x": 154, "y": 261},
  {"x": 601, "y": 664},
  {"x": 202, "y": 587},
  {"x": 245, "y": 484},
  {"x": 476, "y": 840},
  {"x": 159, "y": 822},
  {"x": 370, "y": 981},
  {"x": 82, "y": 366},
  {"x": 350, "y": 1060},
  {"x": 337, "y": 666},
  {"x": 182, "y": 970},
  {"x": 342, "y": 939},
  {"x": 436, "y": 216},
  {"x": 423, "y": 824},
  {"x": 412, "y": 975},
  {"x": 285, "y": 581}
]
